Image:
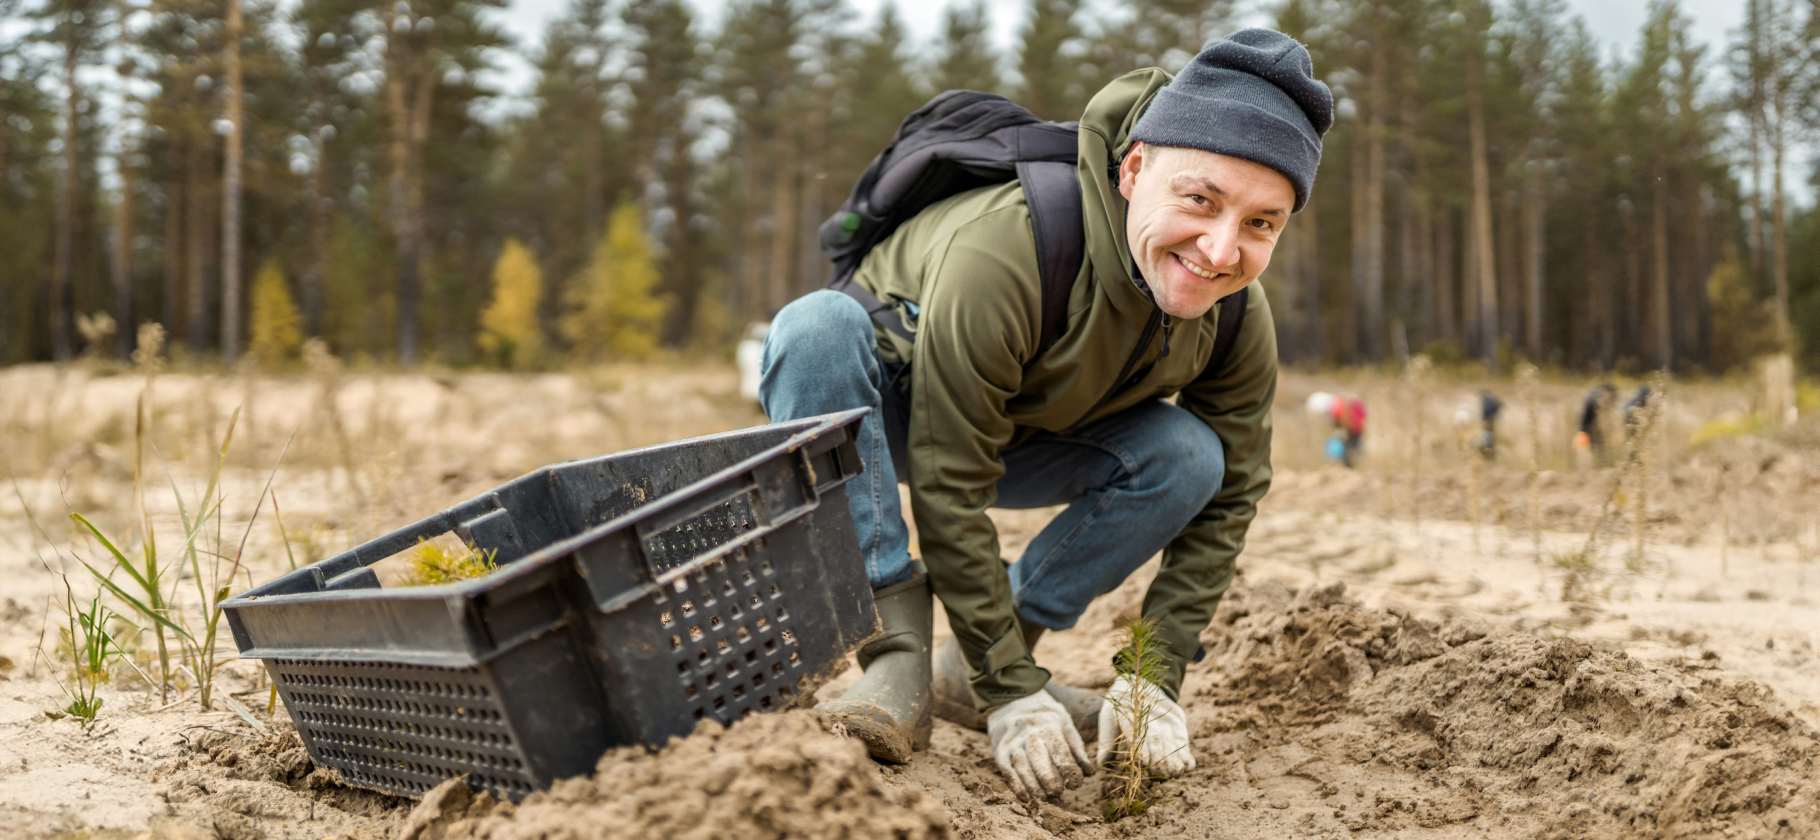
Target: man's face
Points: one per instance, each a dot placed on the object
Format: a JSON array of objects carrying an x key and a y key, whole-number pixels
[{"x": 1200, "y": 225}]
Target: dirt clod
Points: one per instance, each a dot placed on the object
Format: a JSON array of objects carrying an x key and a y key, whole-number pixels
[{"x": 771, "y": 776}]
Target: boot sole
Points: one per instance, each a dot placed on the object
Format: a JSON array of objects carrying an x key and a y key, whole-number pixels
[{"x": 883, "y": 741}]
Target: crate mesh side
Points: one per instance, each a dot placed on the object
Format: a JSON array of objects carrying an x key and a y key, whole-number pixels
[
  {"x": 731, "y": 638},
  {"x": 403, "y": 728},
  {"x": 700, "y": 534}
]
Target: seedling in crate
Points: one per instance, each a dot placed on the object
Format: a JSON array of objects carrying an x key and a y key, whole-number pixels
[{"x": 432, "y": 563}]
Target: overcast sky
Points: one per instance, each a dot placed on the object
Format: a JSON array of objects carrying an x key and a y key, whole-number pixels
[{"x": 1616, "y": 22}]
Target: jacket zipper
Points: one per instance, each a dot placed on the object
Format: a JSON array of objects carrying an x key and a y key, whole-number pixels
[{"x": 1157, "y": 317}]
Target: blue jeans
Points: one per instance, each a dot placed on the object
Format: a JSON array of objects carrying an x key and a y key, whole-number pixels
[{"x": 1131, "y": 481}]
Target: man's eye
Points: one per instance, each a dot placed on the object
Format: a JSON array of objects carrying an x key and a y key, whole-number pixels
[
  {"x": 1262, "y": 224},
  {"x": 1200, "y": 200}
]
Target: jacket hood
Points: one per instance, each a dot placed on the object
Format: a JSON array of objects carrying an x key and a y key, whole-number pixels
[{"x": 1104, "y": 136}]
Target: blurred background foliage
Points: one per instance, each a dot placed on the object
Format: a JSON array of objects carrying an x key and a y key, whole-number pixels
[{"x": 1499, "y": 185}]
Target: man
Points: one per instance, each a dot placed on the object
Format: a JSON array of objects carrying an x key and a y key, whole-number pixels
[{"x": 1186, "y": 187}]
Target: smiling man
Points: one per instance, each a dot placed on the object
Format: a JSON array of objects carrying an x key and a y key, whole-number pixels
[{"x": 1127, "y": 419}]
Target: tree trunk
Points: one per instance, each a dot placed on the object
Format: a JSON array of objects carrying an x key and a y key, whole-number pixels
[
  {"x": 1635, "y": 298},
  {"x": 1535, "y": 252},
  {"x": 1779, "y": 245},
  {"x": 1313, "y": 331},
  {"x": 1471, "y": 325},
  {"x": 173, "y": 254},
  {"x": 1442, "y": 283},
  {"x": 1508, "y": 227},
  {"x": 196, "y": 259},
  {"x": 1754, "y": 120},
  {"x": 783, "y": 231},
  {"x": 1696, "y": 307},
  {"x": 63, "y": 274},
  {"x": 1372, "y": 312},
  {"x": 230, "y": 192},
  {"x": 122, "y": 264},
  {"x": 1350, "y": 328},
  {"x": 592, "y": 210},
  {"x": 1421, "y": 239},
  {"x": 1596, "y": 321},
  {"x": 1662, "y": 345},
  {"x": 1409, "y": 313},
  {"x": 321, "y": 226},
  {"x": 1484, "y": 262},
  {"x": 408, "y": 91},
  {"x": 1286, "y": 302}
]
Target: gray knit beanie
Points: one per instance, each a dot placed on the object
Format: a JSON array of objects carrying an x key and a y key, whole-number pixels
[{"x": 1251, "y": 96}]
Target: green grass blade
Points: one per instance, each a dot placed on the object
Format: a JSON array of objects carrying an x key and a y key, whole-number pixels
[
  {"x": 135, "y": 603},
  {"x": 119, "y": 558}
]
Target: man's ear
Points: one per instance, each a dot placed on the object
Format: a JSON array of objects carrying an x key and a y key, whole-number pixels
[{"x": 1128, "y": 168}]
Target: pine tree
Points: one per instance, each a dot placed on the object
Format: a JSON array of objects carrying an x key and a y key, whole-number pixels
[
  {"x": 424, "y": 41},
  {"x": 965, "y": 59},
  {"x": 881, "y": 90},
  {"x": 77, "y": 27},
  {"x": 1049, "y": 61},
  {"x": 275, "y": 327},
  {"x": 510, "y": 331},
  {"x": 613, "y": 309}
]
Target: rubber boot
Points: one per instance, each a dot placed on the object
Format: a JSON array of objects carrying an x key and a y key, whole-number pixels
[
  {"x": 889, "y": 707},
  {"x": 953, "y": 690}
]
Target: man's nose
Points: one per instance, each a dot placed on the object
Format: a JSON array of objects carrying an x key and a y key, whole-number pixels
[{"x": 1220, "y": 244}]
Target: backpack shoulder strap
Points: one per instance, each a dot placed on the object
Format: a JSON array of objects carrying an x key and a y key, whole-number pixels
[
  {"x": 1226, "y": 334},
  {"x": 1053, "y": 192}
]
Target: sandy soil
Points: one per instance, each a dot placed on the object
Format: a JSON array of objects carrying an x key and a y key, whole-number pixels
[{"x": 1385, "y": 667}]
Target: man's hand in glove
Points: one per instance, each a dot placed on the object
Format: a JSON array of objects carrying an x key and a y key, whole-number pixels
[
  {"x": 1036, "y": 746},
  {"x": 1165, "y": 746}
]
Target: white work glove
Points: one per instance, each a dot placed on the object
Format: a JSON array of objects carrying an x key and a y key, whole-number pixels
[
  {"x": 1036, "y": 747},
  {"x": 1165, "y": 747}
]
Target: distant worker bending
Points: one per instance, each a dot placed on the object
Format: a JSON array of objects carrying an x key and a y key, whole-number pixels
[{"x": 1346, "y": 415}]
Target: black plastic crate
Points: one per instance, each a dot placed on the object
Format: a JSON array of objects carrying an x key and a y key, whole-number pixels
[{"x": 638, "y": 593}]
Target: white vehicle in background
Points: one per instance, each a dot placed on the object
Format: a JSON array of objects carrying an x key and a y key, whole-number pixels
[{"x": 747, "y": 355}]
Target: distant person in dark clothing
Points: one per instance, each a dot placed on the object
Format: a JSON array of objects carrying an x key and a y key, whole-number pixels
[
  {"x": 1634, "y": 408},
  {"x": 1592, "y": 436},
  {"x": 1489, "y": 407}
]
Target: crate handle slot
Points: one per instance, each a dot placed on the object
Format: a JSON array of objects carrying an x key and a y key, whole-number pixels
[{"x": 694, "y": 503}]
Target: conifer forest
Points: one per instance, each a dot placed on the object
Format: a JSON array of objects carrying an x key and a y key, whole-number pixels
[{"x": 1500, "y": 186}]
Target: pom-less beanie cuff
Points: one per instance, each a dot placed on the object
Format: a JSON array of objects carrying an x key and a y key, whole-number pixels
[{"x": 1251, "y": 96}]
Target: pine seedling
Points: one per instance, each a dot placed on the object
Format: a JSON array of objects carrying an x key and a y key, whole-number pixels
[
  {"x": 1638, "y": 465},
  {"x": 1475, "y": 493},
  {"x": 1527, "y": 375},
  {"x": 432, "y": 564},
  {"x": 1127, "y": 779},
  {"x": 1421, "y": 367},
  {"x": 326, "y": 370}
]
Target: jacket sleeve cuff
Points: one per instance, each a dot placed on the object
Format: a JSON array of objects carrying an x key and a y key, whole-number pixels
[{"x": 1006, "y": 673}]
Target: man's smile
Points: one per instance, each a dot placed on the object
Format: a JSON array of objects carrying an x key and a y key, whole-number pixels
[{"x": 1198, "y": 271}]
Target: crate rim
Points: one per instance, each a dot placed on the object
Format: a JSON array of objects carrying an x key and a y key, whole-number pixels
[{"x": 534, "y": 562}]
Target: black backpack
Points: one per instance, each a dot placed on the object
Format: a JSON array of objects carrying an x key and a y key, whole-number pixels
[{"x": 962, "y": 140}]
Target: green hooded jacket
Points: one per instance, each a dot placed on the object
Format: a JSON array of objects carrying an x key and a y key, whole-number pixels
[{"x": 978, "y": 387}]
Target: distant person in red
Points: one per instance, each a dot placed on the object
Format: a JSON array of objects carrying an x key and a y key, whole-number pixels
[{"x": 1347, "y": 415}]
